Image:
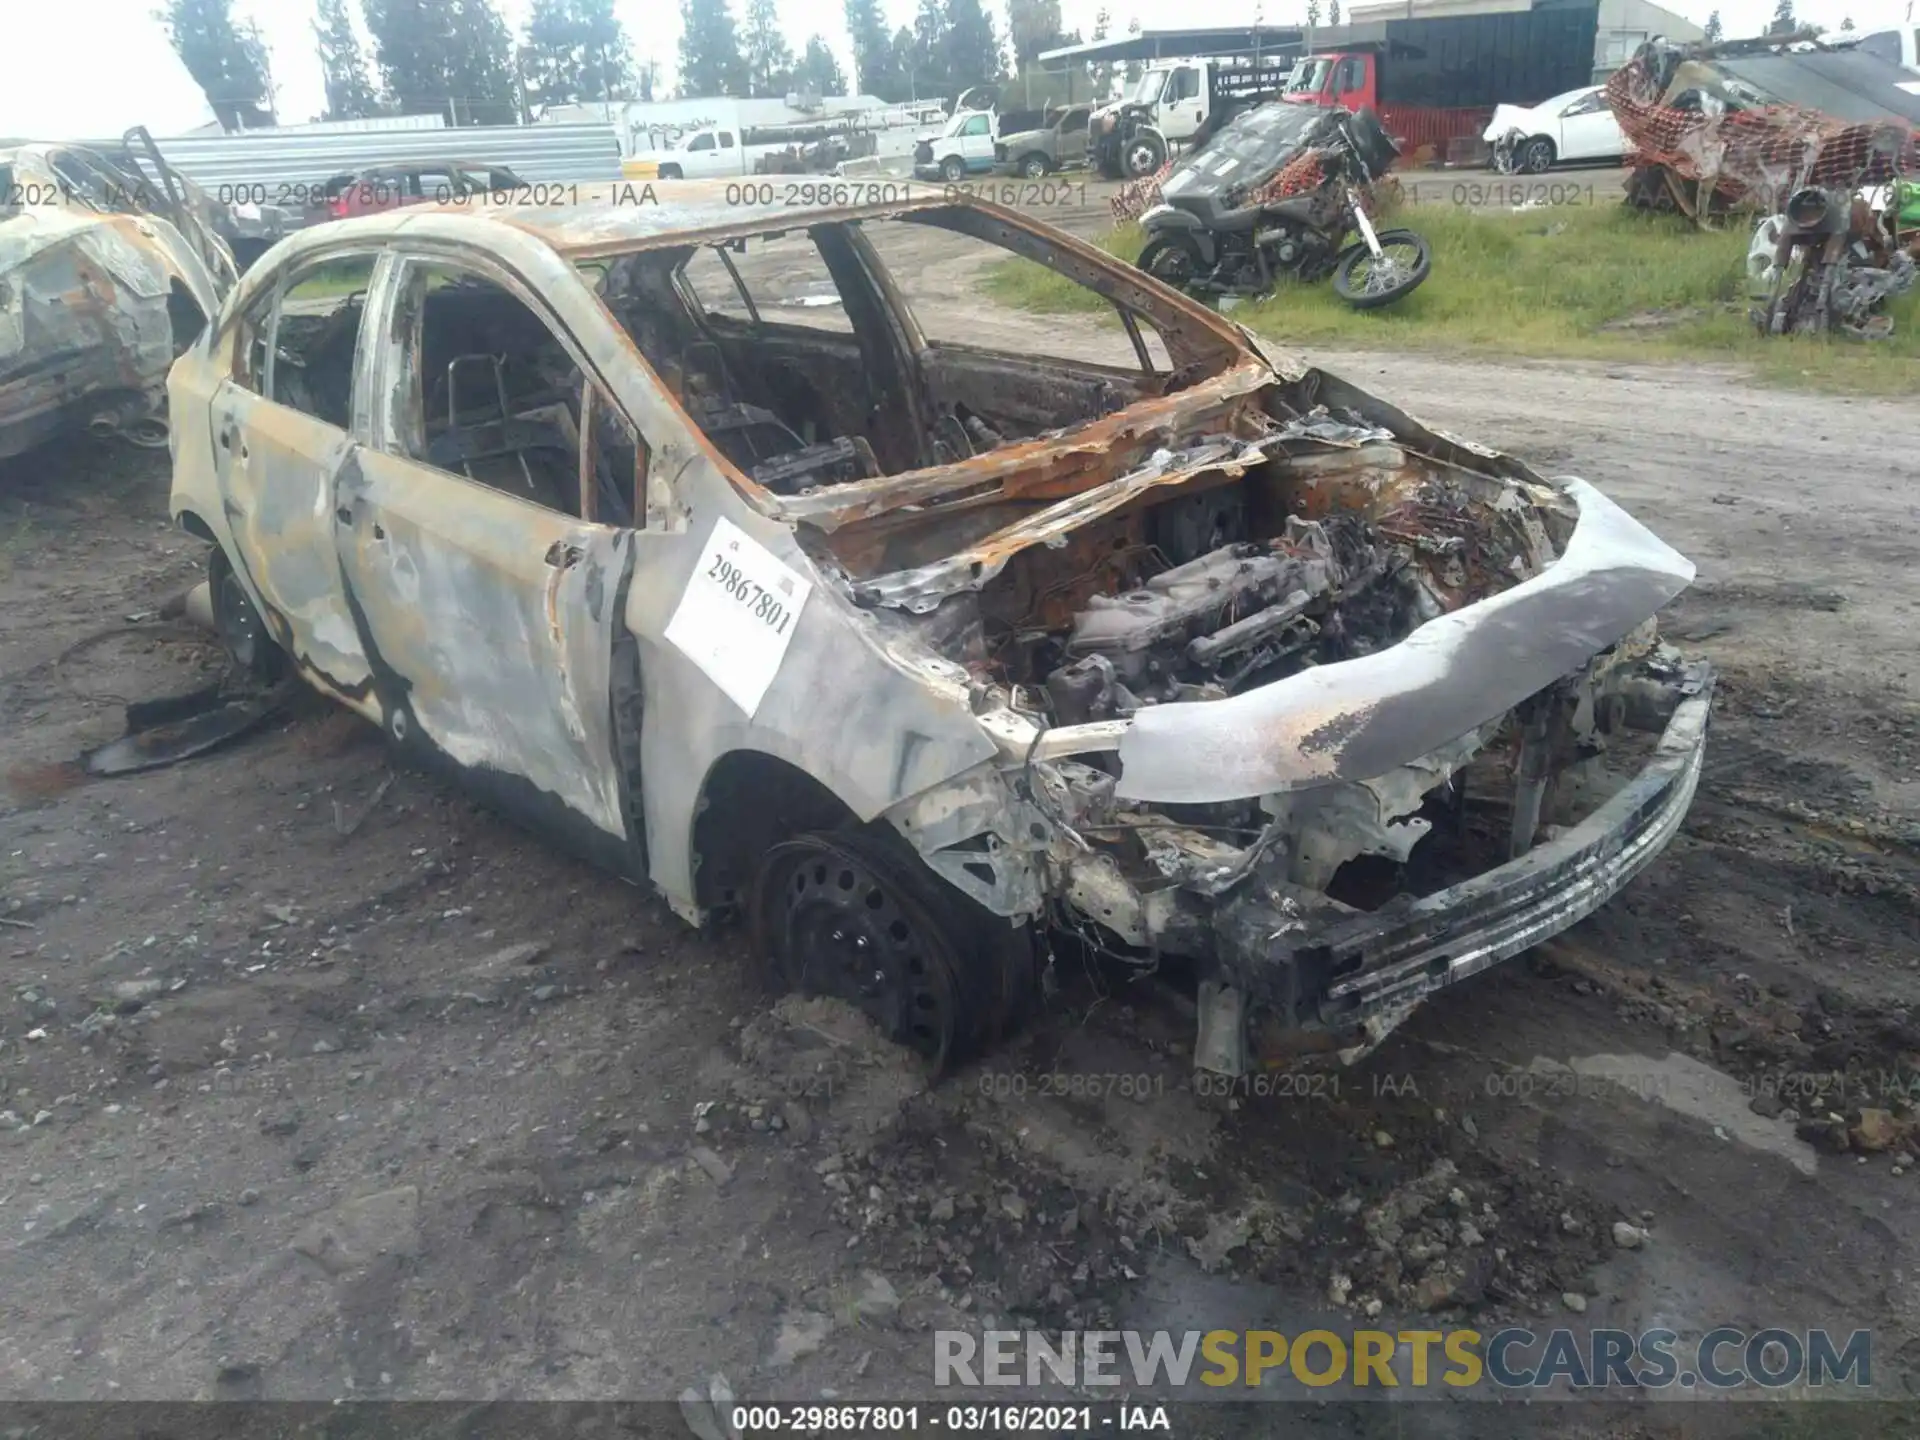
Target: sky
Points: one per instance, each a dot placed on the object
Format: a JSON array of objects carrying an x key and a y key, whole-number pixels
[{"x": 101, "y": 66}]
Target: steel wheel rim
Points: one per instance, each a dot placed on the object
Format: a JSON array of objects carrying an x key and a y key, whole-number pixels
[
  {"x": 1140, "y": 159},
  {"x": 1378, "y": 276},
  {"x": 839, "y": 929}
]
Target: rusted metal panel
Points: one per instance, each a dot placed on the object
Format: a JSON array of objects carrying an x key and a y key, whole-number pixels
[{"x": 87, "y": 331}]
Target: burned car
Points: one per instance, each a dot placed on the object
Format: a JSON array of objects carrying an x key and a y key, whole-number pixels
[
  {"x": 104, "y": 279},
  {"x": 919, "y": 655}
]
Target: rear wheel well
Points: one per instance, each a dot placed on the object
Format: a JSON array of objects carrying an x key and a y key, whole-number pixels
[
  {"x": 752, "y": 801},
  {"x": 195, "y": 526}
]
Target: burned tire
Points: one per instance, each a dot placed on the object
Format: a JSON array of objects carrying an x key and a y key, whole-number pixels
[
  {"x": 1365, "y": 286},
  {"x": 243, "y": 634},
  {"x": 1034, "y": 166},
  {"x": 1535, "y": 157},
  {"x": 1172, "y": 260},
  {"x": 855, "y": 914}
]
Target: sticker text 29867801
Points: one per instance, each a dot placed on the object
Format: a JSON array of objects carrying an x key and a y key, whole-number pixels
[{"x": 761, "y": 602}]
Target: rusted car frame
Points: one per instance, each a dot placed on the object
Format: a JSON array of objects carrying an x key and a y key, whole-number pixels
[
  {"x": 919, "y": 655},
  {"x": 101, "y": 285}
]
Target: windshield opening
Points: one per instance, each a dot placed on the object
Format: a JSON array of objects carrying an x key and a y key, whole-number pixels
[
  {"x": 1309, "y": 77},
  {"x": 1146, "y": 89}
]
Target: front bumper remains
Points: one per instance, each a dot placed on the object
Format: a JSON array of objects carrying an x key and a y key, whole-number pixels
[{"x": 1367, "y": 972}]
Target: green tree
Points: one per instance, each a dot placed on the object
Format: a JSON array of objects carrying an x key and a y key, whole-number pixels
[
  {"x": 1846, "y": 24},
  {"x": 878, "y": 69},
  {"x": 1133, "y": 66},
  {"x": 1713, "y": 28},
  {"x": 818, "y": 70},
  {"x": 972, "y": 48},
  {"x": 710, "y": 58},
  {"x": 1333, "y": 12},
  {"x": 576, "y": 52},
  {"x": 1032, "y": 26},
  {"x": 1784, "y": 22},
  {"x": 1313, "y": 12},
  {"x": 901, "y": 51},
  {"x": 227, "y": 61},
  {"x": 343, "y": 69},
  {"x": 769, "y": 59},
  {"x": 450, "y": 57},
  {"x": 927, "y": 56}
]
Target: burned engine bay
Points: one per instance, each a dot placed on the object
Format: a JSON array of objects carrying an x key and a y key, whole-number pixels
[{"x": 1293, "y": 536}]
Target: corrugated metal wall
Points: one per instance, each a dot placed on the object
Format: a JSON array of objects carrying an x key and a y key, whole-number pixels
[{"x": 235, "y": 167}]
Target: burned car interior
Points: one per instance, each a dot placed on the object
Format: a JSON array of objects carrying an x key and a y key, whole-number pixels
[
  {"x": 495, "y": 396},
  {"x": 796, "y": 406}
]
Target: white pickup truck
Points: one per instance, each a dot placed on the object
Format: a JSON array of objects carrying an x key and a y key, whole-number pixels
[{"x": 711, "y": 151}]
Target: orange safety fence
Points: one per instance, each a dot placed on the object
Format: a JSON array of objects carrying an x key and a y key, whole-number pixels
[{"x": 1747, "y": 157}]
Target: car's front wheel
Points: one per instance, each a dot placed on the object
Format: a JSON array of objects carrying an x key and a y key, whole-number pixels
[
  {"x": 953, "y": 169},
  {"x": 855, "y": 914},
  {"x": 1536, "y": 156},
  {"x": 237, "y": 622},
  {"x": 1034, "y": 166}
]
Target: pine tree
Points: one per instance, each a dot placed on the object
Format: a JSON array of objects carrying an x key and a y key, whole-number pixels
[
  {"x": 710, "y": 58},
  {"x": 818, "y": 70},
  {"x": 1333, "y": 12},
  {"x": 451, "y": 57},
  {"x": 1783, "y": 19},
  {"x": 227, "y": 61},
  {"x": 973, "y": 50},
  {"x": 576, "y": 52},
  {"x": 878, "y": 70},
  {"x": 929, "y": 54},
  {"x": 1313, "y": 13},
  {"x": 1032, "y": 26},
  {"x": 1713, "y": 29},
  {"x": 769, "y": 59},
  {"x": 1846, "y": 24},
  {"x": 343, "y": 69}
]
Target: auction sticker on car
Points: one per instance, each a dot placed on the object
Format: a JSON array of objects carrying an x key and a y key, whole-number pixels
[{"x": 738, "y": 614}]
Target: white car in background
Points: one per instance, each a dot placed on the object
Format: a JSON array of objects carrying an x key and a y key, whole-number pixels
[{"x": 1574, "y": 128}]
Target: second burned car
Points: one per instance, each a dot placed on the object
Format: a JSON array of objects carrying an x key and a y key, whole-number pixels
[{"x": 794, "y": 600}]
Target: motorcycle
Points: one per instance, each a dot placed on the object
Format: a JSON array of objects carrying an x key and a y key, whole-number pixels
[
  {"x": 1833, "y": 267},
  {"x": 1277, "y": 193}
]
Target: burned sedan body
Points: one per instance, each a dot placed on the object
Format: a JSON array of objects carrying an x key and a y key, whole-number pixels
[
  {"x": 746, "y": 580},
  {"x": 101, "y": 286}
]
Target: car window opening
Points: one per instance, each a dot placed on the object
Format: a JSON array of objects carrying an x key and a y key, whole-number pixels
[
  {"x": 788, "y": 352},
  {"x": 497, "y": 398}
]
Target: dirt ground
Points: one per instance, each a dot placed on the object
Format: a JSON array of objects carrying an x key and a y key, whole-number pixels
[{"x": 320, "y": 1082}]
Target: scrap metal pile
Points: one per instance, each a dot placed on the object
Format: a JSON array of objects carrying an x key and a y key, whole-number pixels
[{"x": 1713, "y": 131}]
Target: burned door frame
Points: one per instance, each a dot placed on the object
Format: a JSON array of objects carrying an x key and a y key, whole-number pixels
[
  {"x": 493, "y": 624},
  {"x": 275, "y": 469}
]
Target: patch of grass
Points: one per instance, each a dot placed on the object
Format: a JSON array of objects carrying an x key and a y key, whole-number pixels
[{"x": 1599, "y": 282}]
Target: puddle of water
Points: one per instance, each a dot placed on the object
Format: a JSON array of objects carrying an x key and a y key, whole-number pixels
[{"x": 1690, "y": 1087}]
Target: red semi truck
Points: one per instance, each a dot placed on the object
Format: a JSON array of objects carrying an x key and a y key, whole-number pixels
[{"x": 1435, "y": 80}]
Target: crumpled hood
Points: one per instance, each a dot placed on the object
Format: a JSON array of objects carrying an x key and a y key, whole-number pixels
[
  {"x": 1507, "y": 118},
  {"x": 1356, "y": 719}
]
